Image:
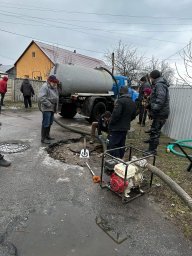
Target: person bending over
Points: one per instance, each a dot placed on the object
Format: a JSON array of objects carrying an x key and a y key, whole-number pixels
[{"x": 101, "y": 126}]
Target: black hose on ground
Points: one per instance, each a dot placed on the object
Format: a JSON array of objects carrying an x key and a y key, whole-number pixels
[
  {"x": 68, "y": 127},
  {"x": 172, "y": 184},
  {"x": 79, "y": 130}
]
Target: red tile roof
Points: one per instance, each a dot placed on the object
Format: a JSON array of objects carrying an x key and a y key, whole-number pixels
[{"x": 62, "y": 56}]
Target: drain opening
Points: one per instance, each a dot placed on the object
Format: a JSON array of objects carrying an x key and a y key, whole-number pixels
[
  {"x": 68, "y": 151},
  {"x": 9, "y": 147}
]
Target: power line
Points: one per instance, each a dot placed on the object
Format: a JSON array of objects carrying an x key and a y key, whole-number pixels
[
  {"x": 178, "y": 51},
  {"x": 108, "y": 31},
  {"x": 99, "y": 14},
  {"x": 53, "y": 43},
  {"x": 104, "y": 30},
  {"x": 26, "y": 36}
]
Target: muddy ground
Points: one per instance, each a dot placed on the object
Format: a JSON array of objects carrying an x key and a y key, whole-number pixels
[{"x": 174, "y": 166}]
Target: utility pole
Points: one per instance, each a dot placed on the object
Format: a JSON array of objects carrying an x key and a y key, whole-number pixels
[{"x": 113, "y": 62}]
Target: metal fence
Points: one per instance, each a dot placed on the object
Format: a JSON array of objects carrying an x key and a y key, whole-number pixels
[{"x": 179, "y": 123}]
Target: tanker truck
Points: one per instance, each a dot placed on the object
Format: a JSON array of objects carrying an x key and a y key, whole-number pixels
[{"x": 89, "y": 91}]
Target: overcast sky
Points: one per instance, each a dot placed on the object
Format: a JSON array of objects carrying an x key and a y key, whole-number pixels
[{"x": 159, "y": 28}]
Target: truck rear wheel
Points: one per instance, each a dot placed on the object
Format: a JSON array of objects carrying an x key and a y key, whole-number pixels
[
  {"x": 98, "y": 109},
  {"x": 68, "y": 110}
]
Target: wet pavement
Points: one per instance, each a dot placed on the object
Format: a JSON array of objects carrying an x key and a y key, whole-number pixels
[{"x": 52, "y": 208}]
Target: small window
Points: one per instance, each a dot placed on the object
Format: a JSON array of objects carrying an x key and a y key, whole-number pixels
[
  {"x": 33, "y": 54},
  {"x": 39, "y": 77}
]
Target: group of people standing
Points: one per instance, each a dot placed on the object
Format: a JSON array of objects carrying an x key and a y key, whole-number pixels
[
  {"x": 26, "y": 89},
  {"x": 153, "y": 101}
]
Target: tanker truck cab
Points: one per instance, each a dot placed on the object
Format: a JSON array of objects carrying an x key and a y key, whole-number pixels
[
  {"x": 87, "y": 91},
  {"x": 121, "y": 81}
]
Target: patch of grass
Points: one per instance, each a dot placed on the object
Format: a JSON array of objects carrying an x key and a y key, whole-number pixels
[{"x": 175, "y": 167}]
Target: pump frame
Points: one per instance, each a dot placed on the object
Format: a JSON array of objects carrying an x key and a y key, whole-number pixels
[{"x": 135, "y": 193}]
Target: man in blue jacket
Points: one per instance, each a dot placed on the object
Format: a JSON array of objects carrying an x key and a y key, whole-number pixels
[
  {"x": 123, "y": 113},
  {"x": 158, "y": 109}
]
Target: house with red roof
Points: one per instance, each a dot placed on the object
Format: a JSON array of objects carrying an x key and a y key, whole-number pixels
[{"x": 38, "y": 59}]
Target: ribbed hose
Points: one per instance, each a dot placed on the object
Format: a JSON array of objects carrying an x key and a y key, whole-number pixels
[
  {"x": 172, "y": 184},
  {"x": 68, "y": 127}
]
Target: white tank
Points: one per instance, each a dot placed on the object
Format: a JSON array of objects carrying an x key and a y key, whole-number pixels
[{"x": 78, "y": 79}]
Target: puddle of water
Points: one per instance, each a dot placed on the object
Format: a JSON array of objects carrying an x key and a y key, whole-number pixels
[
  {"x": 106, "y": 227},
  {"x": 63, "y": 230}
]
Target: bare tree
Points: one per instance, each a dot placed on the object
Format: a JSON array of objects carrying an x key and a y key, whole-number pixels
[
  {"x": 127, "y": 61},
  {"x": 186, "y": 55},
  {"x": 166, "y": 70}
]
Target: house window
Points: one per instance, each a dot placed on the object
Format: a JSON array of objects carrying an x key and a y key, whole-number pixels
[
  {"x": 33, "y": 54},
  {"x": 39, "y": 77}
]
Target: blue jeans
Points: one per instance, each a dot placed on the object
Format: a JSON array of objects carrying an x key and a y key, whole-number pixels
[{"x": 47, "y": 118}]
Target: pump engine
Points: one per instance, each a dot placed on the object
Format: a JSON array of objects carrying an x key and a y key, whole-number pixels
[{"x": 120, "y": 184}]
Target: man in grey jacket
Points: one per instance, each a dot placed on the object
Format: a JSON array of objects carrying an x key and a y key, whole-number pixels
[
  {"x": 158, "y": 109},
  {"x": 48, "y": 104}
]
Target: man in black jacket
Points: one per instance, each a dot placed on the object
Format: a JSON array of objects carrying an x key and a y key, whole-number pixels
[
  {"x": 123, "y": 113},
  {"x": 27, "y": 90},
  {"x": 158, "y": 109}
]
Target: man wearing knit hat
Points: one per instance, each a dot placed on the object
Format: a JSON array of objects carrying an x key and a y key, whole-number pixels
[
  {"x": 48, "y": 104},
  {"x": 158, "y": 108}
]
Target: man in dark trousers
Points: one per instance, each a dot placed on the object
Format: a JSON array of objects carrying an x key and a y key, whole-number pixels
[
  {"x": 123, "y": 113},
  {"x": 158, "y": 109},
  {"x": 28, "y": 92},
  {"x": 48, "y": 105},
  {"x": 144, "y": 85}
]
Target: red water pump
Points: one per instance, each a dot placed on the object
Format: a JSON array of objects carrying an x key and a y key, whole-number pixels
[{"x": 117, "y": 183}]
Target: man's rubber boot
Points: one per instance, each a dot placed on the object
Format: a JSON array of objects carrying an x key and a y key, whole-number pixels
[
  {"x": 43, "y": 135},
  {"x": 4, "y": 163},
  {"x": 152, "y": 150},
  {"x": 48, "y": 137}
]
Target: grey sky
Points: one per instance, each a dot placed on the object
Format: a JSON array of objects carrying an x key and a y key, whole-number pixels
[{"x": 159, "y": 28}]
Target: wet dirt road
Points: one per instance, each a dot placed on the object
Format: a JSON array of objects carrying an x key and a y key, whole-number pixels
[{"x": 52, "y": 208}]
